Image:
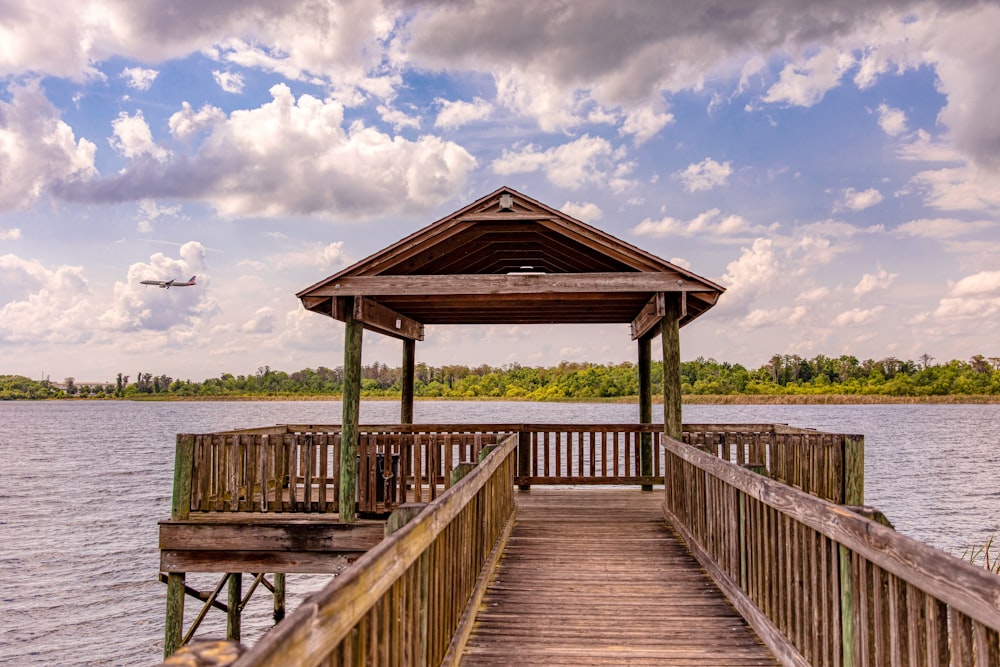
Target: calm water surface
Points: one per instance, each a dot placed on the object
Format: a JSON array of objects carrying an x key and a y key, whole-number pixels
[{"x": 83, "y": 485}]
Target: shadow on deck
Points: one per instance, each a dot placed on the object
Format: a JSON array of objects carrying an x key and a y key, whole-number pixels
[{"x": 584, "y": 580}]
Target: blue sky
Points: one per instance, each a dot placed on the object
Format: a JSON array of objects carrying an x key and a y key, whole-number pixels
[{"x": 835, "y": 165}]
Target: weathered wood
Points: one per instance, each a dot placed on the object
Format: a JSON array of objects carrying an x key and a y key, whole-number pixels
[
  {"x": 645, "y": 366},
  {"x": 524, "y": 458},
  {"x": 180, "y": 505},
  {"x": 416, "y": 285},
  {"x": 279, "y": 593},
  {"x": 402, "y": 515},
  {"x": 289, "y": 562},
  {"x": 407, "y": 380},
  {"x": 379, "y": 318},
  {"x": 649, "y": 317},
  {"x": 206, "y": 653},
  {"x": 618, "y": 587},
  {"x": 670, "y": 336},
  {"x": 351, "y": 409},
  {"x": 234, "y": 613},
  {"x": 334, "y": 620},
  {"x": 854, "y": 470},
  {"x": 247, "y": 532},
  {"x": 174, "y": 624}
]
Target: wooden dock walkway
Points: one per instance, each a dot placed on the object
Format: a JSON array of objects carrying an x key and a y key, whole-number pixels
[{"x": 594, "y": 576}]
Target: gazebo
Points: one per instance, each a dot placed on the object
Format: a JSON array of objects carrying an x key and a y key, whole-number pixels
[{"x": 507, "y": 259}]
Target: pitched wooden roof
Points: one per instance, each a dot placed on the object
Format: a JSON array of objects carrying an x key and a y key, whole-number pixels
[{"x": 508, "y": 259}]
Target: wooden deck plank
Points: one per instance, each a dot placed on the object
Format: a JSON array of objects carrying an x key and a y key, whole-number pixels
[{"x": 594, "y": 576}]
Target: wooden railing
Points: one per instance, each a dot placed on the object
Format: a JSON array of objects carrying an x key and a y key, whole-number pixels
[
  {"x": 296, "y": 468},
  {"x": 410, "y": 600},
  {"x": 829, "y": 465},
  {"x": 823, "y": 585}
]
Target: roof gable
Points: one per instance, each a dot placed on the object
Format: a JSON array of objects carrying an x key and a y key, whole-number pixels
[{"x": 499, "y": 260}]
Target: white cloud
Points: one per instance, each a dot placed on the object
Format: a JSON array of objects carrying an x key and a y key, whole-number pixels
[
  {"x": 137, "y": 307},
  {"x": 398, "y": 119},
  {"x": 805, "y": 83},
  {"x": 975, "y": 297},
  {"x": 324, "y": 257},
  {"x": 705, "y": 175},
  {"x": 187, "y": 122},
  {"x": 585, "y": 211},
  {"x": 764, "y": 317},
  {"x": 11, "y": 234},
  {"x": 853, "y": 200},
  {"x": 458, "y": 113},
  {"x": 37, "y": 149},
  {"x": 644, "y": 123},
  {"x": 587, "y": 160},
  {"x": 292, "y": 157},
  {"x": 892, "y": 121},
  {"x": 944, "y": 228},
  {"x": 139, "y": 77},
  {"x": 537, "y": 96},
  {"x": 132, "y": 138},
  {"x": 870, "y": 282},
  {"x": 966, "y": 188},
  {"x": 230, "y": 82},
  {"x": 756, "y": 271},
  {"x": 264, "y": 321},
  {"x": 711, "y": 223},
  {"x": 857, "y": 316},
  {"x": 55, "y": 309}
]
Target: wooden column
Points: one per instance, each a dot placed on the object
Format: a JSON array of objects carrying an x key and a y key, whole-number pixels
[
  {"x": 233, "y": 611},
  {"x": 645, "y": 408},
  {"x": 174, "y": 625},
  {"x": 349, "y": 422},
  {"x": 180, "y": 508},
  {"x": 671, "y": 335},
  {"x": 279, "y": 596},
  {"x": 406, "y": 381}
]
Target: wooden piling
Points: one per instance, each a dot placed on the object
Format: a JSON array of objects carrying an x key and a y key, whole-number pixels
[
  {"x": 671, "y": 337},
  {"x": 279, "y": 596},
  {"x": 234, "y": 610},
  {"x": 406, "y": 381},
  {"x": 645, "y": 408},
  {"x": 349, "y": 425}
]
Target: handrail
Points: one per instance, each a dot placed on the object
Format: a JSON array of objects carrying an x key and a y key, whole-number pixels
[
  {"x": 296, "y": 467},
  {"x": 823, "y": 585},
  {"x": 404, "y": 600}
]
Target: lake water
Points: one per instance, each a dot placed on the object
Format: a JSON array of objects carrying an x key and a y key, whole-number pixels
[{"x": 83, "y": 484}]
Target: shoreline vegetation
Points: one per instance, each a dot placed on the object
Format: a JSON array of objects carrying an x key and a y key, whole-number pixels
[{"x": 783, "y": 380}]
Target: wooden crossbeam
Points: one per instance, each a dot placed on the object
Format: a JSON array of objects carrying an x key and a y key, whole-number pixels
[
  {"x": 376, "y": 317},
  {"x": 550, "y": 283},
  {"x": 649, "y": 316}
]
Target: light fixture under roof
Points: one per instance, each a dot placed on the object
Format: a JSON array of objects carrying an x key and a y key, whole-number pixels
[{"x": 526, "y": 271}]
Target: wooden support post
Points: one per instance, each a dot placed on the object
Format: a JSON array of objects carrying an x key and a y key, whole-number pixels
[
  {"x": 349, "y": 424},
  {"x": 402, "y": 515},
  {"x": 646, "y": 408},
  {"x": 279, "y": 596},
  {"x": 854, "y": 470},
  {"x": 174, "y": 625},
  {"x": 460, "y": 471},
  {"x": 180, "y": 508},
  {"x": 846, "y": 608},
  {"x": 406, "y": 381},
  {"x": 234, "y": 606},
  {"x": 671, "y": 335},
  {"x": 524, "y": 457}
]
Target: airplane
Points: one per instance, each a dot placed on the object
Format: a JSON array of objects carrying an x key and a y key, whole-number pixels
[{"x": 170, "y": 283}]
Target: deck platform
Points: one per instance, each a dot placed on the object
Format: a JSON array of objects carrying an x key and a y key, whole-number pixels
[{"x": 595, "y": 576}]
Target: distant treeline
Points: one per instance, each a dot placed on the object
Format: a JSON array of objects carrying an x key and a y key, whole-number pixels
[{"x": 781, "y": 375}]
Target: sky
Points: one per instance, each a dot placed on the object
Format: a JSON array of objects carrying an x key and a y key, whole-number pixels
[{"x": 835, "y": 164}]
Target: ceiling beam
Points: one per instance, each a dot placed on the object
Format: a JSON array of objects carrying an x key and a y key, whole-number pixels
[
  {"x": 550, "y": 283},
  {"x": 649, "y": 316}
]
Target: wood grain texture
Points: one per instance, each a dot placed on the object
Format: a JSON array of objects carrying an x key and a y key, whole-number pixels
[{"x": 582, "y": 587}]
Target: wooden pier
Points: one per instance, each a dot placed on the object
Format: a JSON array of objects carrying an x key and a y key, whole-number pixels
[
  {"x": 730, "y": 544},
  {"x": 595, "y": 576}
]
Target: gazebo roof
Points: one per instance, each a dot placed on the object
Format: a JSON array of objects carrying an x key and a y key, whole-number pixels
[{"x": 509, "y": 259}]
